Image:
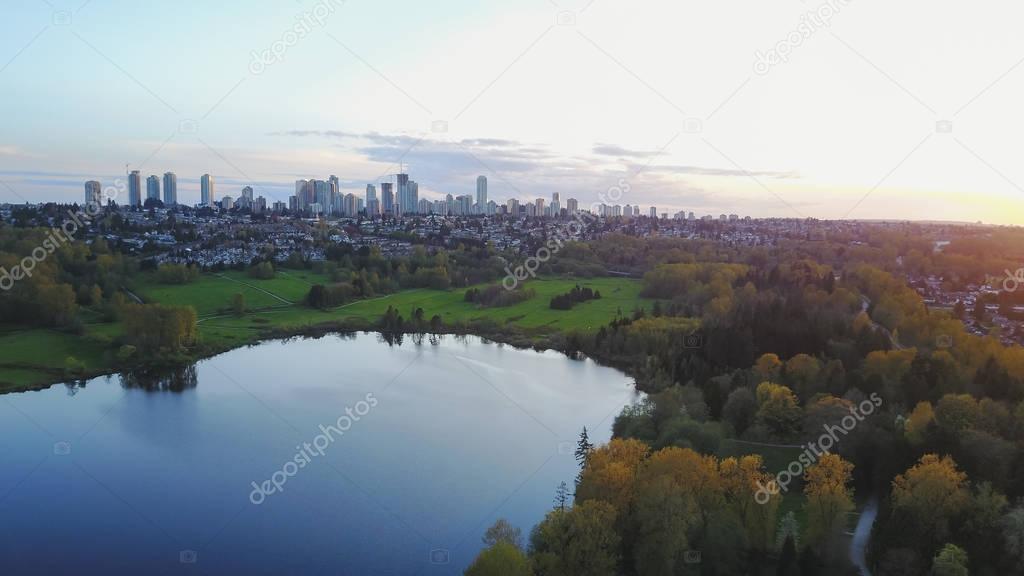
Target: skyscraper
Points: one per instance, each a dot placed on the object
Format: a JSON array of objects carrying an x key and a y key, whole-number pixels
[
  {"x": 481, "y": 193},
  {"x": 206, "y": 185},
  {"x": 387, "y": 197},
  {"x": 413, "y": 193},
  {"x": 134, "y": 188},
  {"x": 170, "y": 189},
  {"x": 333, "y": 194},
  {"x": 403, "y": 195},
  {"x": 153, "y": 187},
  {"x": 372, "y": 206},
  {"x": 247, "y": 193},
  {"x": 93, "y": 193}
]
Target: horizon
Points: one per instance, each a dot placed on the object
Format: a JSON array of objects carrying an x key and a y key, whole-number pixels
[{"x": 849, "y": 122}]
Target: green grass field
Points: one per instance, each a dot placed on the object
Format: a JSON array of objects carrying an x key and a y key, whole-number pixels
[{"x": 37, "y": 356}]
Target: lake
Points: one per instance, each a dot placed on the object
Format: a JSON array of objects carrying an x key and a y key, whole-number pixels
[{"x": 338, "y": 455}]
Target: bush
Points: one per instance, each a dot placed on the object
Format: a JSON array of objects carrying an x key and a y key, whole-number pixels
[
  {"x": 177, "y": 274},
  {"x": 262, "y": 271}
]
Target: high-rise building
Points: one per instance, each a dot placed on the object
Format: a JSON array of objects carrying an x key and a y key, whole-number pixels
[
  {"x": 206, "y": 189},
  {"x": 134, "y": 188},
  {"x": 512, "y": 206},
  {"x": 247, "y": 193},
  {"x": 413, "y": 193},
  {"x": 322, "y": 195},
  {"x": 654, "y": 212},
  {"x": 402, "y": 194},
  {"x": 481, "y": 192},
  {"x": 538, "y": 207},
  {"x": 153, "y": 187},
  {"x": 333, "y": 193},
  {"x": 372, "y": 205},
  {"x": 170, "y": 189},
  {"x": 572, "y": 206},
  {"x": 227, "y": 203},
  {"x": 93, "y": 193},
  {"x": 387, "y": 197}
]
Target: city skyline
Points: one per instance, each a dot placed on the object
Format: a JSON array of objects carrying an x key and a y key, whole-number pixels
[{"x": 845, "y": 123}]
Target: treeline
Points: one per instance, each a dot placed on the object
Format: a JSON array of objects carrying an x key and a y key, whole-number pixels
[
  {"x": 574, "y": 296},
  {"x": 675, "y": 511},
  {"x": 496, "y": 296},
  {"x": 46, "y": 283}
]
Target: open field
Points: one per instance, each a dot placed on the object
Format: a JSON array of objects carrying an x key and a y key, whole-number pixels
[
  {"x": 30, "y": 357},
  {"x": 35, "y": 356}
]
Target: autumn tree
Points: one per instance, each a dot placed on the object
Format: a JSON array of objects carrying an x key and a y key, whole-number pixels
[
  {"x": 802, "y": 372},
  {"x": 918, "y": 422},
  {"x": 500, "y": 559},
  {"x": 580, "y": 541},
  {"x": 768, "y": 367},
  {"x": 611, "y": 472},
  {"x": 931, "y": 493},
  {"x": 829, "y": 499},
  {"x": 778, "y": 410}
]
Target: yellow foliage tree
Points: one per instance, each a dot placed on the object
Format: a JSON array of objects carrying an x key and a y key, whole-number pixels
[
  {"x": 918, "y": 422},
  {"x": 829, "y": 498}
]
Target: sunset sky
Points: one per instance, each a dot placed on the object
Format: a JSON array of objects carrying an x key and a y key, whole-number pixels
[{"x": 897, "y": 110}]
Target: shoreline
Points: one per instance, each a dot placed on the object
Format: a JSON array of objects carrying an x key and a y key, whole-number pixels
[{"x": 516, "y": 337}]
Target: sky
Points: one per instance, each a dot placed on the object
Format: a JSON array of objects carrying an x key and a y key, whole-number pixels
[{"x": 836, "y": 109}]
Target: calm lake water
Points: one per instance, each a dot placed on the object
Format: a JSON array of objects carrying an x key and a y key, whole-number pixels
[{"x": 423, "y": 447}]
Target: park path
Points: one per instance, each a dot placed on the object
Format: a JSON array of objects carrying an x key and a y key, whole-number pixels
[
  {"x": 861, "y": 536},
  {"x": 267, "y": 292}
]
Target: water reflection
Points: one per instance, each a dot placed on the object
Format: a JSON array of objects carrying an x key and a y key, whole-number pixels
[{"x": 161, "y": 380}]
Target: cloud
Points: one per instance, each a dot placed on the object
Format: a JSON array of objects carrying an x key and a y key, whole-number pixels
[{"x": 620, "y": 152}]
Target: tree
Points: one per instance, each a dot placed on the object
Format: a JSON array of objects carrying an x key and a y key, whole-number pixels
[
  {"x": 501, "y": 559},
  {"x": 561, "y": 496},
  {"x": 931, "y": 493},
  {"x": 576, "y": 542},
  {"x": 918, "y": 422},
  {"x": 802, "y": 373},
  {"x": 676, "y": 491},
  {"x": 238, "y": 304},
  {"x": 778, "y": 410},
  {"x": 1013, "y": 533},
  {"x": 956, "y": 412},
  {"x": 503, "y": 531},
  {"x": 951, "y": 561},
  {"x": 155, "y": 328},
  {"x": 611, "y": 473},
  {"x": 740, "y": 409},
  {"x": 828, "y": 498},
  {"x": 768, "y": 366},
  {"x": 583, "y": 449}
]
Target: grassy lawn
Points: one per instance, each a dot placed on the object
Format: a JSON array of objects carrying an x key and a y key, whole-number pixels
[
  {"x": 616, "y": 294},
  {"x": 209, "y": 294},
  {"x": 35, "y": 356}
]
